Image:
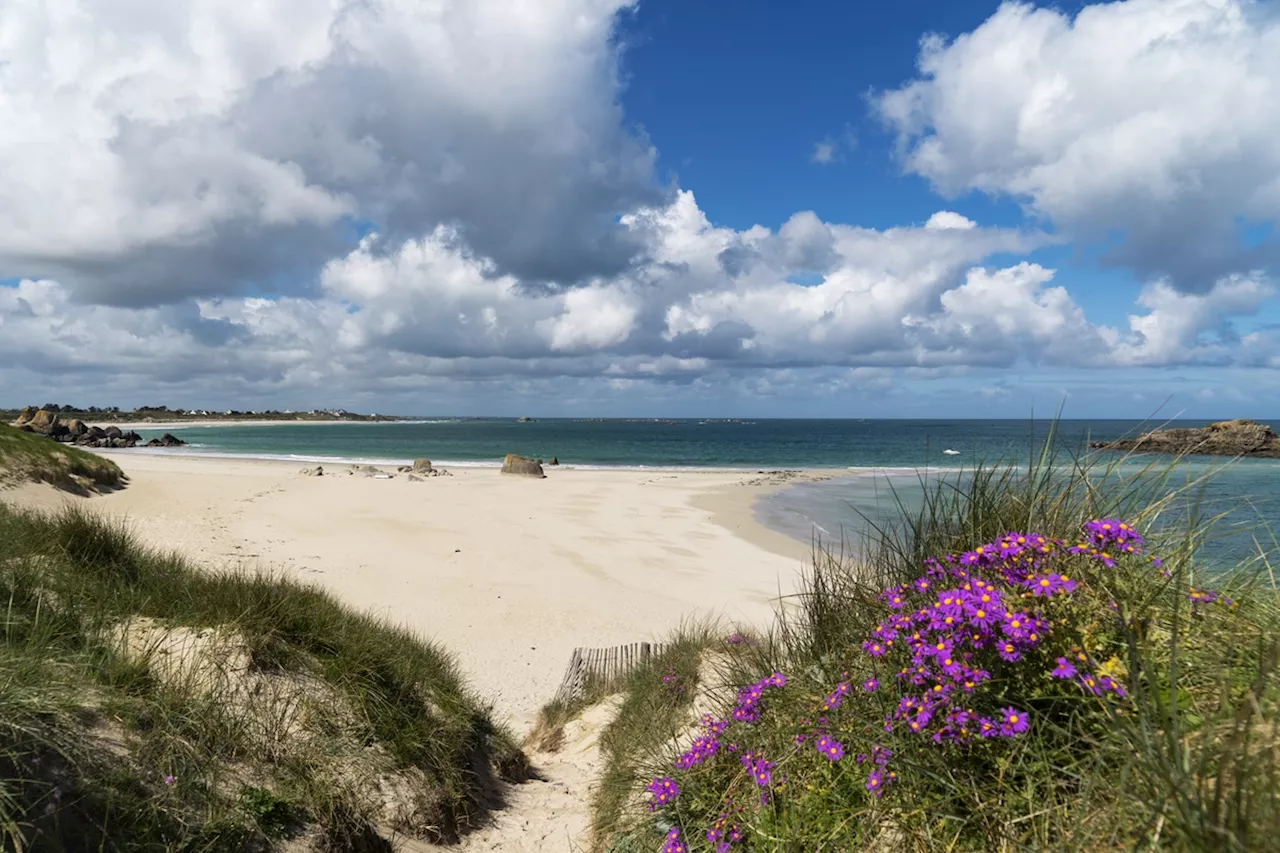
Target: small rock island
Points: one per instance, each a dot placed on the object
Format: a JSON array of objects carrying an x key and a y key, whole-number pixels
[{"x": 1225, "y": 438}]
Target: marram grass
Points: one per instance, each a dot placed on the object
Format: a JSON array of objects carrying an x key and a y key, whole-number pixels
[{"x": 27, "y": 457}]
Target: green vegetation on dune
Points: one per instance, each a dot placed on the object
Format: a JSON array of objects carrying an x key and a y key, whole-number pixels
[
  {"x": 27, "y": 457},
  {"x": 148, "y": 706},
  {"x": 1139, "y": 711}
]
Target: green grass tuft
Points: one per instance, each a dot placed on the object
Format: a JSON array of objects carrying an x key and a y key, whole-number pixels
[{"x": 27, "y": 457}]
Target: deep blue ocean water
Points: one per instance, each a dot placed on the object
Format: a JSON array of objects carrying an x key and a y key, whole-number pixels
[{"x": 889, "y": 455}]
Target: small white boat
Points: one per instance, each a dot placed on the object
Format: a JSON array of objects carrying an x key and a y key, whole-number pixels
[{"x": 950, "y": 452}]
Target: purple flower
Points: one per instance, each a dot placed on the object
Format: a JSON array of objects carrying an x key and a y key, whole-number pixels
[
  {"x": 830, "y": 748},
  {"x": 761, "y": 770},
  {"x": 870, "y": 685},
  {"x": 836, "y": 696},
  {"x": 674, "y": 844},
  {"x": 1050, "y": 584},
  {"x": 703, "y": 747},
  {"x": 875, "y": 782},
  {"x": 169, "y": 780},
  {"x": 664, "y": 790},
  {"x": 1089, "y": 683},
  {"x": 1106, "y": 682},
  {"x": 1064, "y": 669},
  {"x": 1015, "y": 722}
]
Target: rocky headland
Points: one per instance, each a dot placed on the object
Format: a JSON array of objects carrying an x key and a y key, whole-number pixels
[
  {"x": 76, "y": 431},
  {"x": 1226, "y": 438}
]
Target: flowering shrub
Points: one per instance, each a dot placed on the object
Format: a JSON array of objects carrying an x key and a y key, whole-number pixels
[{"x": 965, "y": 660}]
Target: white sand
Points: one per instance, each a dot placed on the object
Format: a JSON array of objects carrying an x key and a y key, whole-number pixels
[{"x": 507, "y": 573}]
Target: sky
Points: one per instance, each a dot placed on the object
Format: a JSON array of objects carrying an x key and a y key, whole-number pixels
[{"x": 653, "y": 208}]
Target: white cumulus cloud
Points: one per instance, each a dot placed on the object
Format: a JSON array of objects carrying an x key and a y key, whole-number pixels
[{"x": 1154, "y": 118}]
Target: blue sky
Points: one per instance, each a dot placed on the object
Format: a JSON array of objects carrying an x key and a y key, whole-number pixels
[
  {"x": 604, "y": 207},
  {"x": 736, "y": 96}
]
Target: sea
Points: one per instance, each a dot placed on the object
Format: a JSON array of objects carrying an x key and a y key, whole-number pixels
[{"x": 887, "y": 464}]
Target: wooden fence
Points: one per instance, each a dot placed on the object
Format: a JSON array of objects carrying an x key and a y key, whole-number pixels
[{"x": 603, "y": 666}]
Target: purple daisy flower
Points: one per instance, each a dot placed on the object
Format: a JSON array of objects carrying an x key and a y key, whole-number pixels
[
  {"x": 664, "y": 791},
  {"x": 1064, "y": 669},
  {"x": 1015, "y": 722},
  {"x": 830, "y": 748}
]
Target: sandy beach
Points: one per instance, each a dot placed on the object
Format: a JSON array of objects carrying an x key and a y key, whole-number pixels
[{"x": 508, "y": 573}]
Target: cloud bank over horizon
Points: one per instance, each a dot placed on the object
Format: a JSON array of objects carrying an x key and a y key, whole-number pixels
[{"x": 399, "y": 202}]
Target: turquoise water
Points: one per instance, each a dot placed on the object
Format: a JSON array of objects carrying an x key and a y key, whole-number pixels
[
  {"x": 836, "y": 511},
  {"x": 890, "y": 453},
  {"x": 748, "y": 444}
]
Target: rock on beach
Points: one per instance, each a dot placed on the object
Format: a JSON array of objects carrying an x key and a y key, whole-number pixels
[{"x": 514, "y": 464}]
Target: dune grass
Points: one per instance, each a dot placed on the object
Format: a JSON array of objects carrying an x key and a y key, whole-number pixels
[
  {"x": 148, "y": 706},
  {"x": 1188, "y": 759},
  {"x": 27, "y": 457}
]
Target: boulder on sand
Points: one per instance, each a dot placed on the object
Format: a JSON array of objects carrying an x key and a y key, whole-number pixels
[
  {"x": 166, "y": 440},
  {"x": 554, "y": 461},
  {"x": 421, "y": 466},
  {"x": 514, "y": 464},
  {"x": 25, "y": 416},
  {"x": 42, "y": 422}
]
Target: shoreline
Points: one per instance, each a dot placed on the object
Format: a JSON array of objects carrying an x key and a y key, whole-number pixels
[
  {"x": 507, "y": 574},
  {"x": 295, "y": 458}
]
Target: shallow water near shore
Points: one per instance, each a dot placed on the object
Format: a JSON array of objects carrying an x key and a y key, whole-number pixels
[
  {"x": 884, "y": 458},
  {"x": 1246, "y": 492}
]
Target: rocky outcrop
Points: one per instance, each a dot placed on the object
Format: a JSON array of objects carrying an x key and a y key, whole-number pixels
[
  {"x": 43, "y": 422},
  {"x": 514, "y": 464},
  {"x": 317, "y": 471},
  {"x": 1226, "y": 438},
  {"x": 554, "y": 461},
  {"x": 75, "y": 431},
  {"x": 421, "y": 466}
]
